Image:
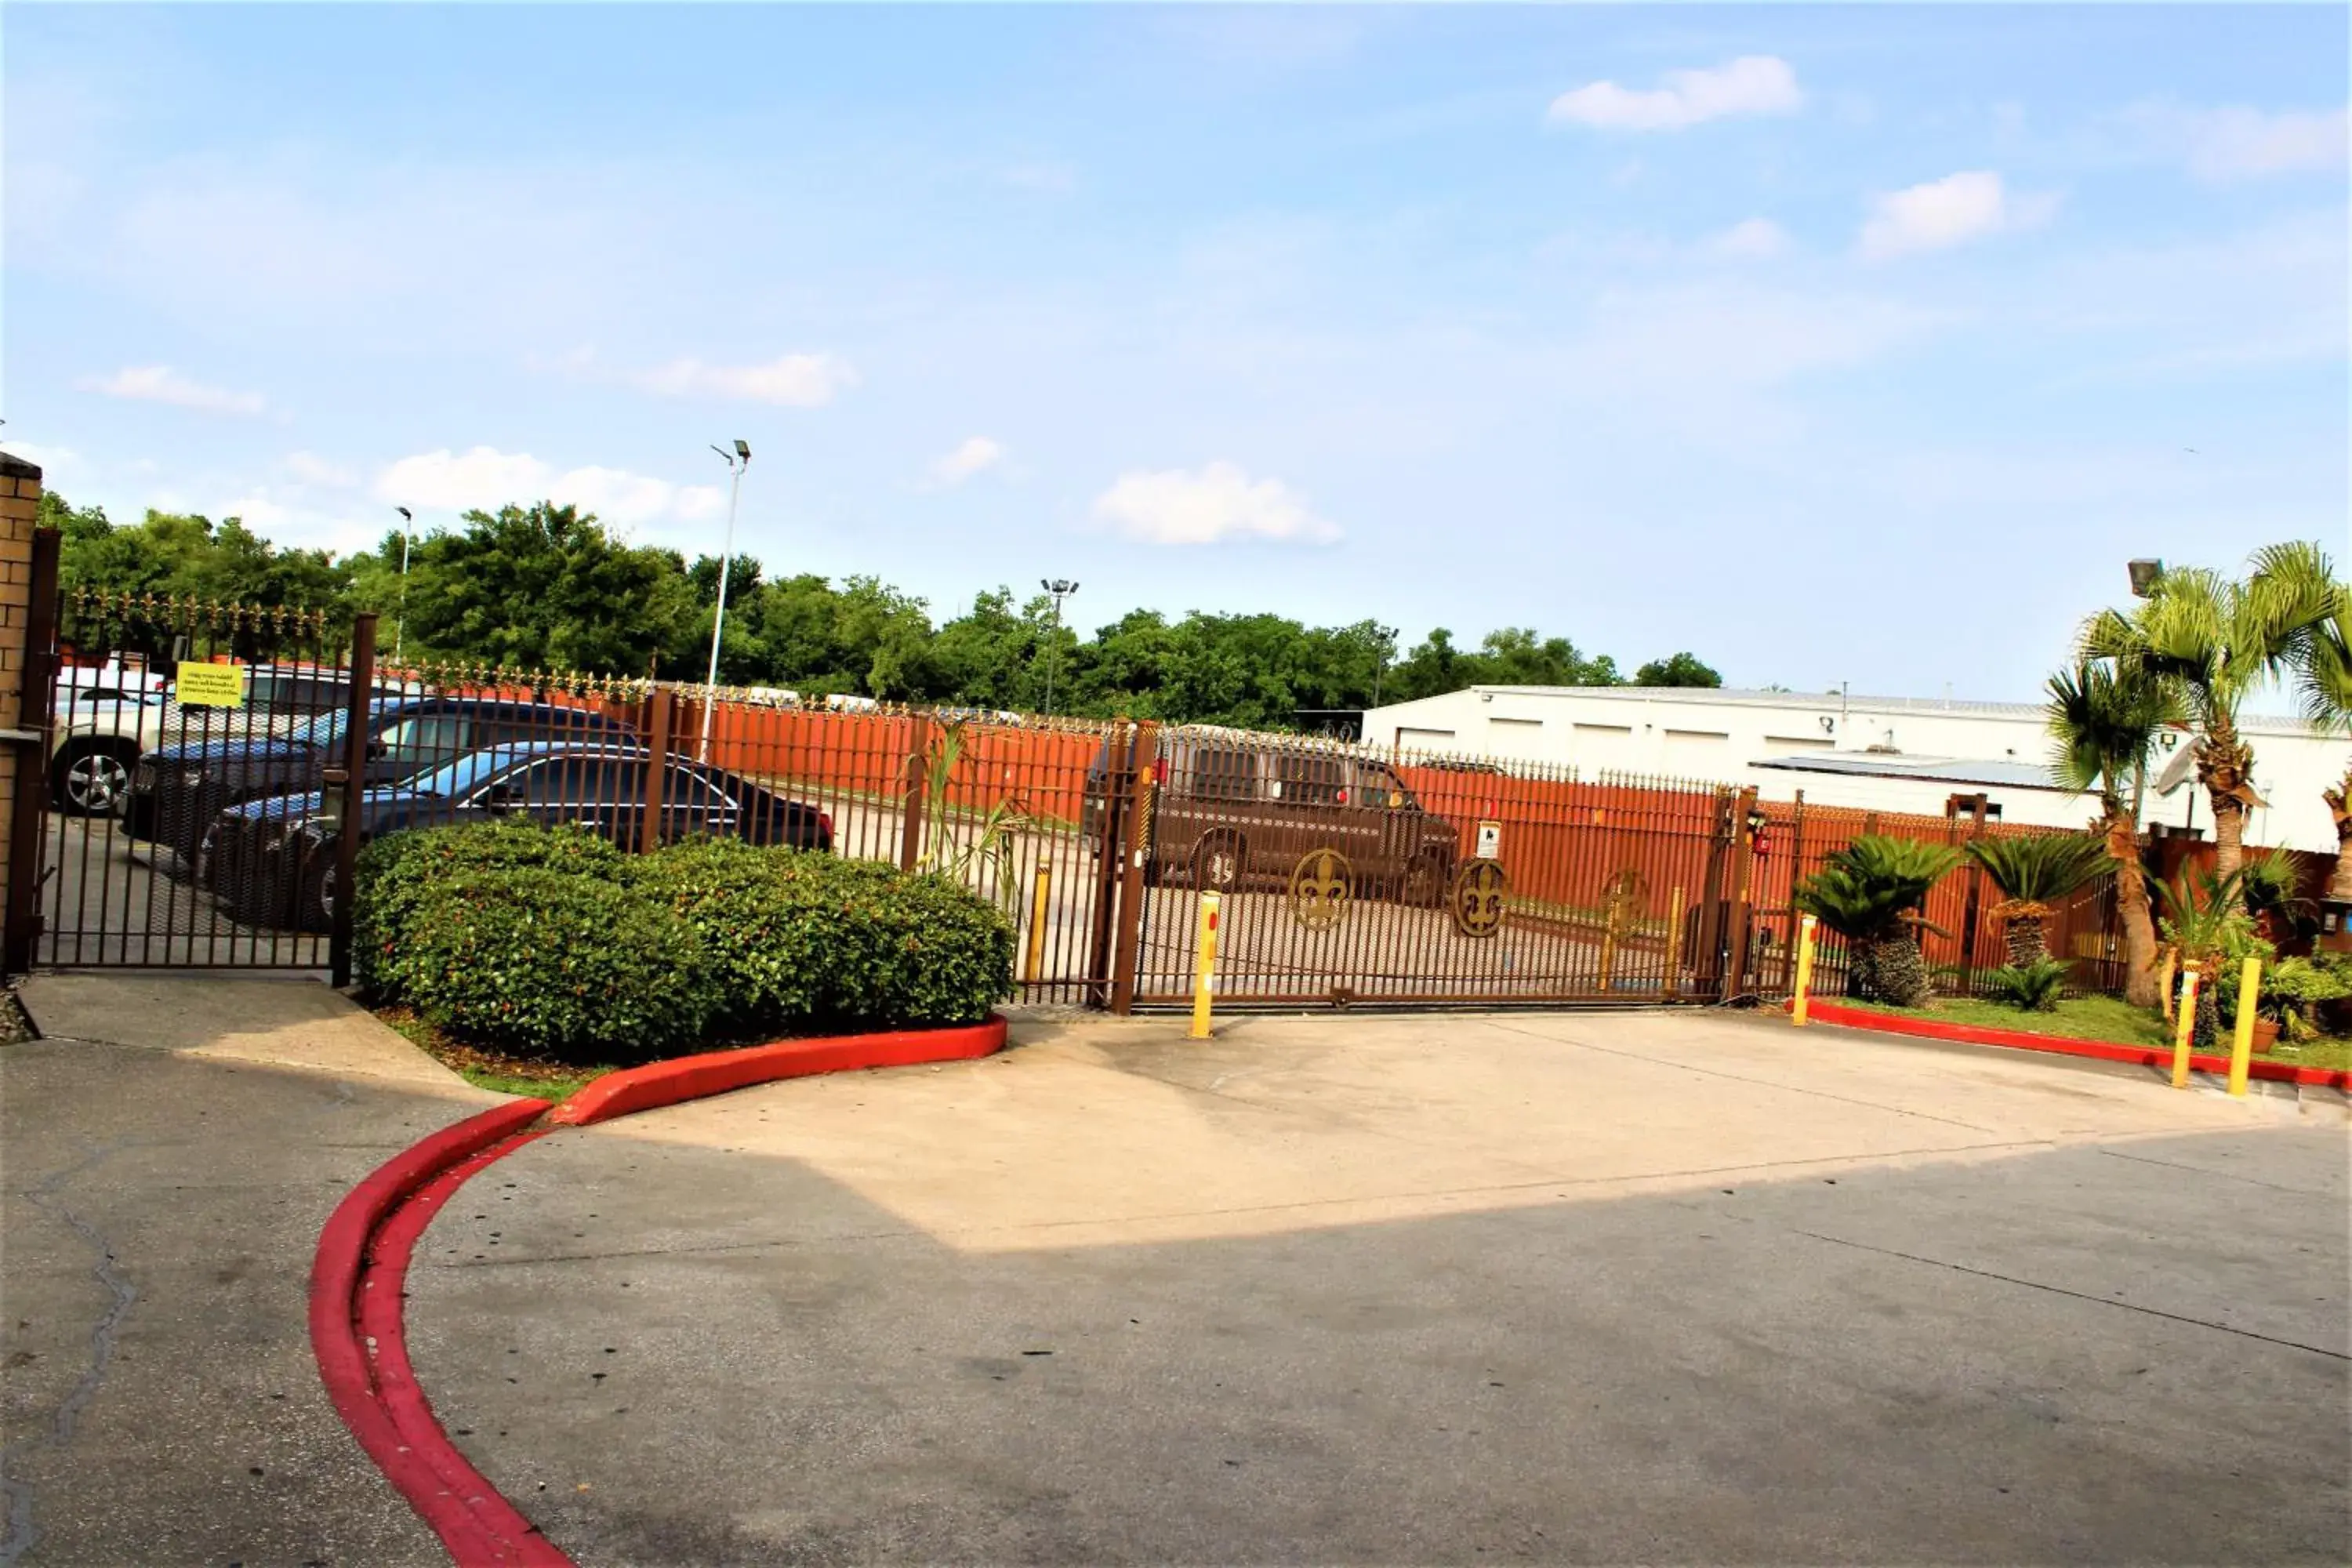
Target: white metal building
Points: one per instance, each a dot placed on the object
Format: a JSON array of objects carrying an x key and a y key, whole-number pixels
[{"x": 1883, "y": 753}]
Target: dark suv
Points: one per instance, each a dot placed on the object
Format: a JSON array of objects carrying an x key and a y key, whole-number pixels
[
  {"x": 1232, "y": 810},
  {"x": 176, "y": 791}
]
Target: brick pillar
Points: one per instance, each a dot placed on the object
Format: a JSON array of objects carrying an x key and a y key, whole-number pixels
[{"x": 20, "y": 508}]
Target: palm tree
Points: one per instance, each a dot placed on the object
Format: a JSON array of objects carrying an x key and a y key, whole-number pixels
[
  {"x": 2035, "y": 874},
  {"x": 2205, "y": 917},
  {"x": 2104, "y": 723},
  {"x": 1868, "y": 892},
  {"x": 2213, "y": 640},
  {"x": 2323, "y": 670}
]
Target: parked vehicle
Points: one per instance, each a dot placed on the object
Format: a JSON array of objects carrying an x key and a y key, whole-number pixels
[
  {"x": 272, "y": 860},
  {"x": 99, "y": 730},
  {"x": 1232, "y": 811},
  {"x": 176, "y": 791}
]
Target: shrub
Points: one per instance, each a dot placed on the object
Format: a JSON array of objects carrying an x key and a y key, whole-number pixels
[
  {"x": 2295, "y": 990},
  {"x": 398, "y": 868},
  {"x": 553, "y": 942},
  {"x": 2029, "y": 987},
  {"x": 1866, "y": 893},
  {"x": 554, "y": 962},
  {"x": 799, "y": 939}
]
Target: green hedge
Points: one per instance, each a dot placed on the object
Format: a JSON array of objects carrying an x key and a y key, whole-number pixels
[
  {"x": 550, "y": 941},
  {"x": 399, "y": 869}
]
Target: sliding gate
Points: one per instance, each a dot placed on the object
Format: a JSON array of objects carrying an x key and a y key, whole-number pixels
[{"x": 1348, "y": 876}]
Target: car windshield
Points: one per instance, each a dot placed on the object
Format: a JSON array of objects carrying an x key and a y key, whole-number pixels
[{"x": 456, "y": 778}]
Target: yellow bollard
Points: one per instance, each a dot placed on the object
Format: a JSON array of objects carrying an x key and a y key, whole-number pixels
[
  {"x": 1205, "y": 977},
  {"x": 2184, "y": 1025},
  {"x": 1797, "y": 1009},
  {"x": 1673, "y": 976},
  {"x": 1034, "y": 968},
  {"x": 2242, "y": 1047}
]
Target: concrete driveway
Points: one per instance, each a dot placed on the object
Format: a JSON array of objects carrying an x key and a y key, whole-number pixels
[
  {"x": 167, "y": 1157},
  {"x": 1572, "y": 1288}
]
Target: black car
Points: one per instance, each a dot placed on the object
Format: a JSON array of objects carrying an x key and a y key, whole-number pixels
[
  {"x": 272, "y": 861},
  {"x": 176, "y": 791}
]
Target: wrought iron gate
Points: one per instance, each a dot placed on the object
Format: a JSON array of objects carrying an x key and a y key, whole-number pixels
[
  {"x": 130, "y": 782},
  {"x": 1349, "y": 876}
]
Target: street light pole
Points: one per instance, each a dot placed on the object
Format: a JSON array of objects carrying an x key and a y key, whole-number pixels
[
  {"x": 1061, "y": 588},
  {"x": 1385, "y": 642},
  {"x": 400, "y": 621},
  {"x": 737, "y": 461}
]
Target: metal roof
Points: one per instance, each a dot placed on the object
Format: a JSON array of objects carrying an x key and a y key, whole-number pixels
[
  {"x": 1821, "y": 701},
  {"x": 2004, "y": 772}
]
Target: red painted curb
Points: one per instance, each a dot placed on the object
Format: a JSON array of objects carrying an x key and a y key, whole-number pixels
[
  {"x": 2065, "y": 1045},
  {"x": 717, "y": 1072},
  {"x": 359, "y": 1275},
  {"x": 357, "y": 1279}
]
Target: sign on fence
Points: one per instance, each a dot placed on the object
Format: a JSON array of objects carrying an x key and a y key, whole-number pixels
[{"x": 211, "y": 685}]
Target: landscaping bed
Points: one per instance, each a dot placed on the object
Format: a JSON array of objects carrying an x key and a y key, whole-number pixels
[{"x": 530, "y": 959}]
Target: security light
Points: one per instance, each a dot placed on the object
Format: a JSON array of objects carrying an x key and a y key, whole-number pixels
[{"x": 2145, "y": 575}]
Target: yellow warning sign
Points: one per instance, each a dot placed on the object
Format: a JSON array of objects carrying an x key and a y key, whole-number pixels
[{"x": 211, "y": 685}]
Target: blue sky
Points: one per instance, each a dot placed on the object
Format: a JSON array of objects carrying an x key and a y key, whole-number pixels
[{"x": 1857, "y": 343}]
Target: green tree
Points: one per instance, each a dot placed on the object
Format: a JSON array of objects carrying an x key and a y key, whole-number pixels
[
  {"x": 547, "y": 588},
  {"x": 2102, "y": 725},
  {"x": 2214, "y": 640},
  {"x": 2322, "y": 662},
  {"x": 1680, "y": 669}
]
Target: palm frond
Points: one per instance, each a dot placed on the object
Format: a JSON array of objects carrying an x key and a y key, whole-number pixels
[{"x": 2041, "y": 870}]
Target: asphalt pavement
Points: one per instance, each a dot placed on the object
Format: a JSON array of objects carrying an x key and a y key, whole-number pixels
[{"x": 1602, "y": 1287}]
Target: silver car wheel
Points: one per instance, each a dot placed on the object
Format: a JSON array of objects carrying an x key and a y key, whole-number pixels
[{"x": 95, "y": 784}]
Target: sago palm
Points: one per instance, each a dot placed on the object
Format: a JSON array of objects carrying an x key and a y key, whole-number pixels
[
  {"x": 2214, "y": 641},
  {"x": 2035, "y": 874},
  {"x": 2322, "y": 660},
  {"x": 2103, "y": 725},
  {"x": 1868, "y": 893}
]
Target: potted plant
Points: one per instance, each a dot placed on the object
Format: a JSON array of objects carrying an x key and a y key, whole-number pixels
[{"x": 2294, "y": 993}]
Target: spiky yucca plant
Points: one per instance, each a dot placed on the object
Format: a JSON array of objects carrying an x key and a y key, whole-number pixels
[
  {"x": 2035, "y": 874},
  {"x": 1868, "y": 892}
]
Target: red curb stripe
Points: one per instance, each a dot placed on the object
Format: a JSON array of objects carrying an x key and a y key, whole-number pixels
[
  {"x": 358, "y": 1276},
  {"x": 2066, "y": 1046},
  {"x": 356, "y": 1336},
  {"x": 717, "y": 1072}
]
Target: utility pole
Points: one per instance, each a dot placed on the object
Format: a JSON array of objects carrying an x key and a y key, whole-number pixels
[
  {"x": 400, "y": 620},
  {"x": 1061, "y": 588},
  {"x": 737, "y": 461},
  {"x": 1384, "y": 645}
]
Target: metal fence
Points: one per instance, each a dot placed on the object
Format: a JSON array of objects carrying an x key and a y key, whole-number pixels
[{"x": 218, "y": 827}]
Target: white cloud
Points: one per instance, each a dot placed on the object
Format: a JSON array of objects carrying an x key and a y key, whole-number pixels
[
  {"x": 312, "y": 470},
  {"x": 693, "y": 502},
  {"x": 613, "y": 494},
  {"x": 796, "y": 380},
  {"x": 1220, "y": 503},
  {"x": 49, "y": 460},
  {"x": 162, "y": 383},
  {"x": 450, "y": 481},
  {"x": 1752, "y": 84},
  {"x": 1958, "y": 208},
  {"x": 2243, "y": 144},
  {"x": 974, "y": 455},
  {"x": 486, "y": 479},
  {"x": 1756, "y": 239}
]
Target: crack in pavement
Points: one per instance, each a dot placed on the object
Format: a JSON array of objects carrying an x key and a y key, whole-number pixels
[
  {"x": 23, "y": 1532},
  {"x": 2077, "y": 1295}
]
